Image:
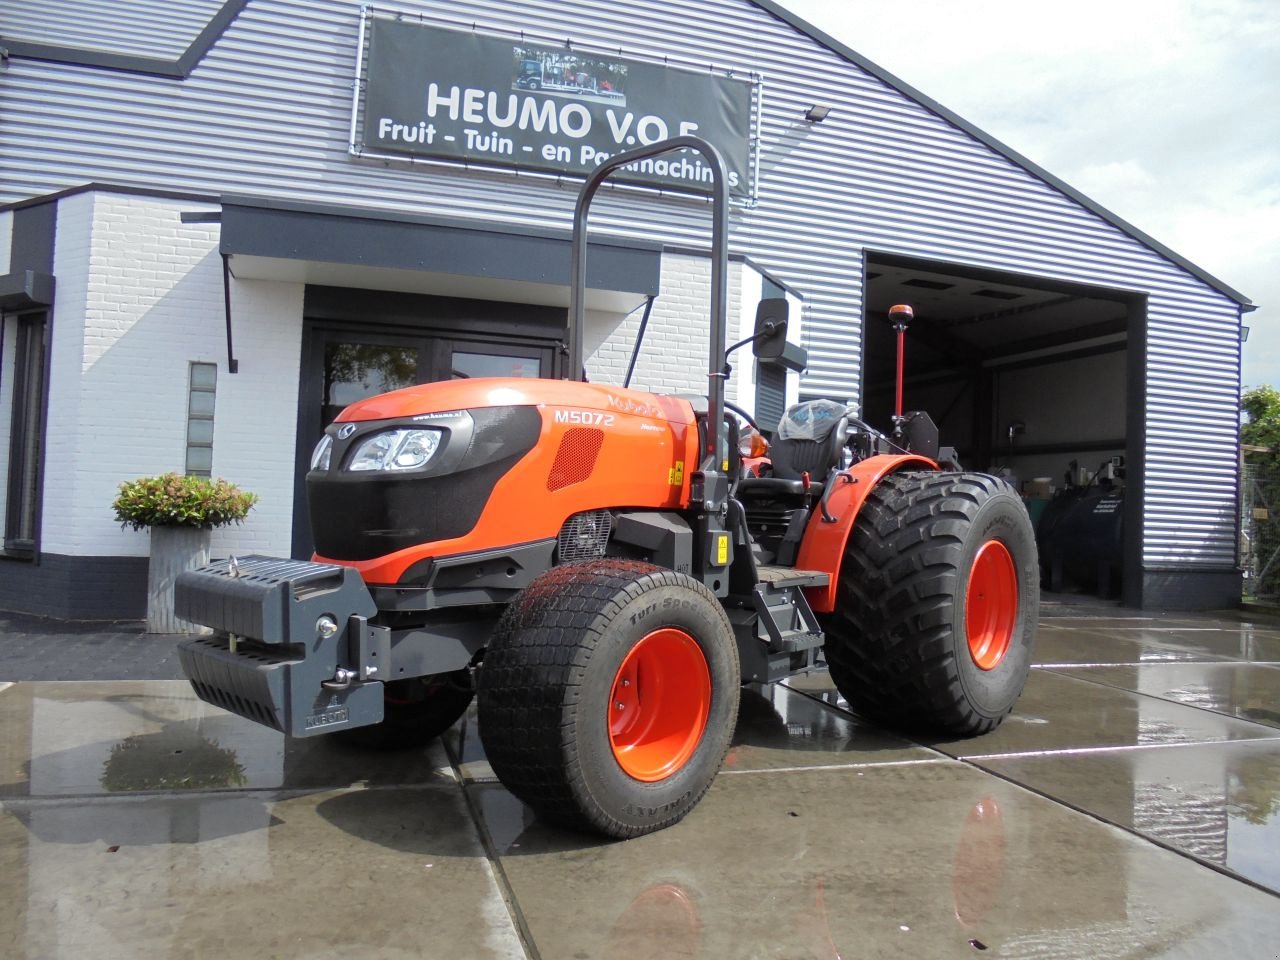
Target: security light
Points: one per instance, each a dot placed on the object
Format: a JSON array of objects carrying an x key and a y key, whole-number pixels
[{"x": 817, "y": 113}]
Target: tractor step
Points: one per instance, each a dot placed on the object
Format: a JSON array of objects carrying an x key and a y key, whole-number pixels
[
  {"x": 791, "y": 641},
  {"x": 779, "y": 577}
]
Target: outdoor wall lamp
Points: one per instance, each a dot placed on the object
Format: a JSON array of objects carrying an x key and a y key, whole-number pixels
[{"x": 817, "y": 113}]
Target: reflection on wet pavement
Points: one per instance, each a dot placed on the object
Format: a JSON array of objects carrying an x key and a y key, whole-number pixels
[
  {"x": 137, "y": 822},
  {"x": 1165, "y": 640},
  {"x": 1072, "y": 643},
  {"x": 1244, "y": 690},
  {"x": 1061, "y": 713},
  {"x": 1059, "y": 646},
  {"x": 82, "y": 739},
  {"x": 1219, "y": 803}
]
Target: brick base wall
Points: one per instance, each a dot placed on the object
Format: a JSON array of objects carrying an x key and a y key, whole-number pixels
[{"x": 76, "y": 588}]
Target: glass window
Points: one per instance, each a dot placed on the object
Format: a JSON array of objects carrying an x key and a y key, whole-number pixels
[
  {"x": 354, "y": 371},
  {"x": 200, "y": 406},
  {"x": 467, "y": 365},
  {"x": 26, "y": 429}
]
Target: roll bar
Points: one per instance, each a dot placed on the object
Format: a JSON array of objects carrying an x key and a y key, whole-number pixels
[{"x": 717, "y": 435}]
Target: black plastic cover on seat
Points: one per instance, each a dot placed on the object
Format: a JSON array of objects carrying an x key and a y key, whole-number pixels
[{"x": 810, "y": 439}]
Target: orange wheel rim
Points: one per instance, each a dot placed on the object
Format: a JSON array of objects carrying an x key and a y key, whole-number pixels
[
  {"x": 659, "y": 704},
  {"x": 991, "y": 604}
]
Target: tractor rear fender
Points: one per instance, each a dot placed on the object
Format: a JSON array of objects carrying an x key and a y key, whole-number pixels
[{"x": 822, "y": 548}]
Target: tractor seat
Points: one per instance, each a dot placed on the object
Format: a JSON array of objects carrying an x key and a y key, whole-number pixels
[
  {"x": 810, "y": 439},
  {"x": 773, "y": 488}
]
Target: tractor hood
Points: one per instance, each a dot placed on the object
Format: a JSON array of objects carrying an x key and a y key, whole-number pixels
[
  {"x": 477, "y": 465},
  {"x": 485, "y": 392}
]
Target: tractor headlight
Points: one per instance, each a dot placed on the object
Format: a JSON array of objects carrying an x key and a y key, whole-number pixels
[
  {"x": 396, "y": 450},
  {"x": 320, "y": 456}
]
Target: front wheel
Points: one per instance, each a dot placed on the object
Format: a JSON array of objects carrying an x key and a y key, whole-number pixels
[
  {"x": 937, "y": 604},
  {"x": 608, "y": 696}
]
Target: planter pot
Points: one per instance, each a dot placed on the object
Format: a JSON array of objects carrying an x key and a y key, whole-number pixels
[{"x": 173, "y": 549}]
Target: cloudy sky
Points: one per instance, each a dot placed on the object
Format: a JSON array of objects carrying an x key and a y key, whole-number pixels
[{"x": 1166, "y": 112}]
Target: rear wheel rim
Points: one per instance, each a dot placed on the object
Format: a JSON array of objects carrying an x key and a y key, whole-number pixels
[
  {"x": 659, "y": 704},
  {"x": 991, "y": 605}
]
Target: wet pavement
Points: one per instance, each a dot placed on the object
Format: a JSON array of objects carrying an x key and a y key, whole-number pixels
[{"x": 1129, "y": 808}]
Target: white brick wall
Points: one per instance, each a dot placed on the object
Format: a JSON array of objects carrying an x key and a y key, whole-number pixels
[
  {"x": 256, "y": 422},
  {"x": 134, "y": 307},
  {"x": 6, "y": 239},
  {"x": 65, "y": 463},
  {"x": 674, "y": 356},
  {"x": 742, "y": 324}
]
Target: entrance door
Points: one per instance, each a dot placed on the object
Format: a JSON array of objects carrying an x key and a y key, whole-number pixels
[{"x": 342, "y": 364}]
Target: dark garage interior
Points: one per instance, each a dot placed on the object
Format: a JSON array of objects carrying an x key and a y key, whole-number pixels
[{"x": 1032, "y": 380}]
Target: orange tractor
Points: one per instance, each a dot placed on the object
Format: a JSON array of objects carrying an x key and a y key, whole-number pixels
[{"x": 591, "y": 564}]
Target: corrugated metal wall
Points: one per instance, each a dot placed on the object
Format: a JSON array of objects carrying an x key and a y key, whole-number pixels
[{"x": 266, "y": 113}]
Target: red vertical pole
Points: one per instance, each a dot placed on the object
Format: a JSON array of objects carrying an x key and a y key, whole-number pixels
[
  {"x": 899, "y": 315},
  {"x": 902, "y": 349}
]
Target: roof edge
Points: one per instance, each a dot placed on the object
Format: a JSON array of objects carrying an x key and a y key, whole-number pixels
[
  {"x": 98, "y": 186},
  {"x": 831, "y": 43},
  {"x": 175, "y": 68}
]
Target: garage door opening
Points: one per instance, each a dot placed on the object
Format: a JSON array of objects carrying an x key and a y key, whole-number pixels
[{"x": 1037, "y": 381}]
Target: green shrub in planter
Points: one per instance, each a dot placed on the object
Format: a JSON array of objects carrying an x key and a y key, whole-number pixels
[{"x": 174, "y": 500}]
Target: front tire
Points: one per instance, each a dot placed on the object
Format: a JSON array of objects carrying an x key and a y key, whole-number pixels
[
  {"x": 608, "y": 696},
  {"x": 936, "y": 605}
]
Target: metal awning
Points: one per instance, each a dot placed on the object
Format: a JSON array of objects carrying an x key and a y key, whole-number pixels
[
  {"x": 25, "y": 289},
  {"x": 348, "y": 247}
]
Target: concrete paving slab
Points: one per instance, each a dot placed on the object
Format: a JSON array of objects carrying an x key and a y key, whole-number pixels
[
  {"x": 932, "y": 861},
  {"x": 1245, "y": 690},
  {"x": 95, "y": 738},
  {"x": 379, "y": 873},
  {"x": 1218, "y": 803}
]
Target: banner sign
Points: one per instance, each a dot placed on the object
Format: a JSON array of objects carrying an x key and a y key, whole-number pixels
[{"x": 463, "y": 96}]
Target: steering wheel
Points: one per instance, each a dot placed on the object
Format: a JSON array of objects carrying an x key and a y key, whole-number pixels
[{"x": 743, "y": 414}]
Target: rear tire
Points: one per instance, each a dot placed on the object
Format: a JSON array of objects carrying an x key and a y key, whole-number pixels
[
  {"x": 608, "y": 696},
  {"x": 415, "y": 712},
  {"x": 936, "y": 605}
]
